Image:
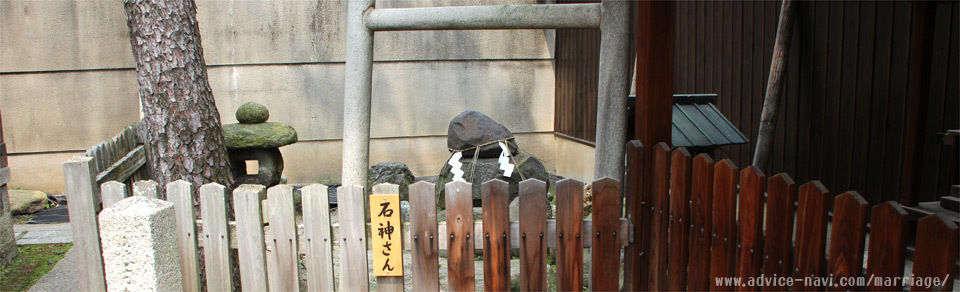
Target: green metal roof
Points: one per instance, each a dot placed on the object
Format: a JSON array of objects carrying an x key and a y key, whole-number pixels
[{"x": 699, "y": 124}]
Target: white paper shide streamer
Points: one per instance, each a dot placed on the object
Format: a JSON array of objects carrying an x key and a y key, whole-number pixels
[
  {"x": 455, "y": 166},
  {"x": 505, "y": 160}
]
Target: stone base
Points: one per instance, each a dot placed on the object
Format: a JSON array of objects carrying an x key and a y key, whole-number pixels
[{"x": 139, "y": 240}]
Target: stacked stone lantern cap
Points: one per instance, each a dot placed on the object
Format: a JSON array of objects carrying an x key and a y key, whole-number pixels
[{"x": 253, "y": 130}]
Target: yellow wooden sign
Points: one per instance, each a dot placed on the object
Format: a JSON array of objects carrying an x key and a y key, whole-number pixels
[{"x": 385, "y": 231}]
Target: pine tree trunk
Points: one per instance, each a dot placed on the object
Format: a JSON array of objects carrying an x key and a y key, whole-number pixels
[{"x": 180, "y": 120}]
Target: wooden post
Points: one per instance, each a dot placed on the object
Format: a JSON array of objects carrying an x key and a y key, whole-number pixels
[
  {"x": 569, "y": 232},
  {"x": 654, "y": 83},
  {"x": 847, "y": 237},
  {"x": 146, "y": 188},
  {"x": 888, "y": 242},
  {"x": 354, "y": 272},
  {"x": 701, "y": 223},
  {"x": 316, "y": 229},
  {"x": 250, "y": 242},
  {"x": 533, "y": 235},
  {"x": 423, "y": 230},
  {"x": 283, "y": 271},
  {"x": 605, "y": 249},
  {"x": 84, "y": 198},
  {"x": 778, "y": 242},
  {"x": 921, "y": 33},
  {"x": 216, "y": 237},
  {"x": 771, "y": 100},
  {"x": 723, "y": 254},
  {"x": 636, "y": 257},
  {"x": 112, "y": 192},
  {"x": 496, "y": 235},
  {"x": 753, "y": 185},
  {"x": 936, "y": 254},
  {"x": 180, "y": 193},
  {"x": 811, "y": 232},
  {"x": 660, "y": 208},
  {"x": 679, "y": 253},
  {"x": 460, "y": 270}
]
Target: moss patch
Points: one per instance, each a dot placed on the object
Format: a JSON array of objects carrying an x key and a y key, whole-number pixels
[
  {"x": 32, "y": 262},
  {"x": 262, "y": 135}
]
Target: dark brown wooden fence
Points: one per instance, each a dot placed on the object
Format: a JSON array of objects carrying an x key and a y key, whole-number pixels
[
  {"x": 870, "y": 87},
  {"x": 852, "y": 116},
  {"x": 702, "y": 227}
]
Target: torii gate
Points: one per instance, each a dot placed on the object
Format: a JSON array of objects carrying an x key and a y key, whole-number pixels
[{"x": 610, "y": 16}]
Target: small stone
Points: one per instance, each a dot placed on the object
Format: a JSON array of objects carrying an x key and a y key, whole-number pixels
[
  {"x": 262, "y": 135},
  {"x": 252, "y": 113}
]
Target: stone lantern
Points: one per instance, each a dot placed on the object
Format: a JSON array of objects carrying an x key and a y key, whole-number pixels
[{"x": 255, "y": 142}]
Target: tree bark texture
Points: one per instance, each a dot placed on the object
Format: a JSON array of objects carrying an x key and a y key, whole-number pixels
[{"x": 181, "y": 122}]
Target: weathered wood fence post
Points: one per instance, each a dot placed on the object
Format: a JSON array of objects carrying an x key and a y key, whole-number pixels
[{"x": 84, "y": 197}]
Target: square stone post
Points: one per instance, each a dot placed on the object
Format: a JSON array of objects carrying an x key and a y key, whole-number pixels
[{"x": 139, "y": 240}]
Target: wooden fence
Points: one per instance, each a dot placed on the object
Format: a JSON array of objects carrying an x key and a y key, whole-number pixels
[
  {"x": 698, "y": 226},
  {"x": 704, "y": 221},
  {"x": 269, "y": 256},
  {"x": 121, "y": 158},
  {"x": 869, "y": 87}
]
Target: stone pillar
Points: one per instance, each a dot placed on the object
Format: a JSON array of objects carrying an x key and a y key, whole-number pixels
[{"x": 139, "y": 240}]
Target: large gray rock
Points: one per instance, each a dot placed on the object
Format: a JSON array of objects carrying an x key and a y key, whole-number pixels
[
  {"x": 391, "y": 172},
  {"x": 489, "y": 169},
  {"x": 26, "y": 201},
  {"x": 262, "y": 135},
  {"x": 252, "y": 113},
  {"x": 470, "y": 129}
]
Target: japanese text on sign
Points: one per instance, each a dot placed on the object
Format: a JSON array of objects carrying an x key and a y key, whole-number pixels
[{"x": 385, "y": 231}]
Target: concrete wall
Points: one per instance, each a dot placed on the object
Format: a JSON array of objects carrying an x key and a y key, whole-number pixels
[
  {"x": 574, "y": 159},
  {"x": 67, "y": 81}
]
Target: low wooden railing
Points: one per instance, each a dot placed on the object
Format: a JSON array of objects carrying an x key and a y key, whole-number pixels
[{"x": 122, "y": 158}]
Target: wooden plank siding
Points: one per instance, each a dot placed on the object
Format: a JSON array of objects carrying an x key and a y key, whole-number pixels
[{"x": 846, "y": 103}]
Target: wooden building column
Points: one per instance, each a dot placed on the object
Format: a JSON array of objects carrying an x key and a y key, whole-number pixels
[
  {"x": 654, "y": 108},
  {"x": 919, "y": 83}
]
